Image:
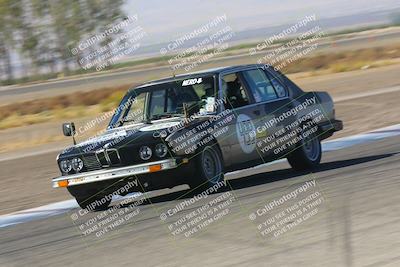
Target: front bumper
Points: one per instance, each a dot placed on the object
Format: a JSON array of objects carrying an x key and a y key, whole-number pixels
[{"x": 110, "y": 174}]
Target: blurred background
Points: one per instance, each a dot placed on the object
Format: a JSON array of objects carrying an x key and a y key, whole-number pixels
[
  {"x": 37, "y": 36},
  {"x": 73, "y": 60}
]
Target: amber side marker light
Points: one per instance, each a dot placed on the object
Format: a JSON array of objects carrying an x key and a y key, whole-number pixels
[
  {"x": 63, "y": 183},
  {"x": 155, "y": 168}
]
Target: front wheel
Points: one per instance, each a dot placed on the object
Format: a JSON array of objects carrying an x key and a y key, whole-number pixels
[
  {"x": 210, "y": 168},
  {"x": 308, "y": 155}
]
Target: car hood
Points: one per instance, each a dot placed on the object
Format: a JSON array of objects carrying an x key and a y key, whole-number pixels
[{"x": 135, "y": 133}]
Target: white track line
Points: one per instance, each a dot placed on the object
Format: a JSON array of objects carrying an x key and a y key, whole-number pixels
[{"x": 366, "y": 94}]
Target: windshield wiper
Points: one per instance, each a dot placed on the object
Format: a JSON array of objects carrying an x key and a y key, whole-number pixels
[
  {"x": 122, "y": 122},
  {"x": 166, "y": 115}
]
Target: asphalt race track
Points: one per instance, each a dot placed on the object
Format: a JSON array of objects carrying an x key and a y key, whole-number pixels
[{"x": 357, "y": 222}]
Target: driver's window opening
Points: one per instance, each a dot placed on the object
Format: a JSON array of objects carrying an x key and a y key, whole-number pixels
[{"x": 234, "y": 91}]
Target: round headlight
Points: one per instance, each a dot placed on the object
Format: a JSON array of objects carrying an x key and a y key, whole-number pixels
[
  {"x": 161, "y": 150},
  {"x": 65, "y": 166},
  {"x": 77, "y": 164},
  {"x": 145, "y": 152}
]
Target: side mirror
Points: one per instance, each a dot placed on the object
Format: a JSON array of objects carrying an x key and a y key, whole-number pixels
[{"x": 68, "y": 129}]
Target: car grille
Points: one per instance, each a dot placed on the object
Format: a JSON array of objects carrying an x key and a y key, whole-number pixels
[
  {"x": 91, "y": 163},
  {"x": 114, "y": 157},
  {"x": 101, "y": 156},
  {"x": 108, "y": 157}
]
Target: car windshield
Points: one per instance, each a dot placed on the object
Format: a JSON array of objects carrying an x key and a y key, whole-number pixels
[{"x": 193, "y": 96}]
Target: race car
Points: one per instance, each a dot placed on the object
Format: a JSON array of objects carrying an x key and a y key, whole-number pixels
[{"x": 192, "y": 129}]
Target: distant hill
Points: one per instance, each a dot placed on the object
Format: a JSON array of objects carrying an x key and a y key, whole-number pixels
[{"x": 327, "y": 24}]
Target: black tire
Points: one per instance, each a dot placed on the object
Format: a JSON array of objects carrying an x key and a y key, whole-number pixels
[
  {"x": 308, "y": 155},
  {"x": 209, "y": 168},
  {"x": 90, "y": 203}
]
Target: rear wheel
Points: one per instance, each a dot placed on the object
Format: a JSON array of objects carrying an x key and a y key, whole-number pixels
[
  {"x": 209, "y": 168},
  {"x": 308, "y": 155}
]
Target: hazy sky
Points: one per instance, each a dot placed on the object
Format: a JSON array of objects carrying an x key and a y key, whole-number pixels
[{"x": 165, "y": 19}]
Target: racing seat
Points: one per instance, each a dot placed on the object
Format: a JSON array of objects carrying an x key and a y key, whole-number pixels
[{"x": 234, "y": 94}]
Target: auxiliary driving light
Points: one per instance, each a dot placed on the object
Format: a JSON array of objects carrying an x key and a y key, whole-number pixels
[
  {"x": 65, "y": 166},
  {"x": 161, "y": 150},
  {"x": 77, "y": 164},
  {"x": 145, "y": 152}
]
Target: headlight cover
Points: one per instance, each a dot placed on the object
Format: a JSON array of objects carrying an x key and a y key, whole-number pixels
[
  {"x": 161, "y": 150},
  {"x": 77, "y": 164},
  {"x": 145, "y": 152},
  {"x": 65, "y": 166}
]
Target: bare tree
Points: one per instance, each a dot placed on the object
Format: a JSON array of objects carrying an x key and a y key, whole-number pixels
[{"x": 44, "y": 31}]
